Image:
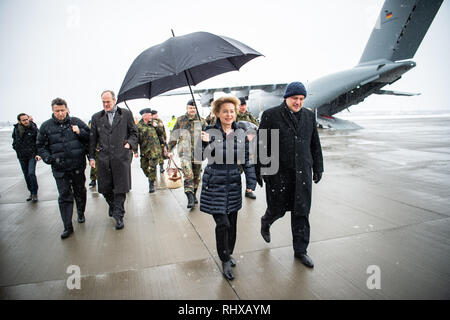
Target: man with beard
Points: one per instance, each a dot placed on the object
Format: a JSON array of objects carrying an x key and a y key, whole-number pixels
[{"x": 24, "y": 143}]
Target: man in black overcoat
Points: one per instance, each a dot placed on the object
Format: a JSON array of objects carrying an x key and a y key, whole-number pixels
[
  {"x": 113, "y": 135},
  {"x": 300, "y": 162}
]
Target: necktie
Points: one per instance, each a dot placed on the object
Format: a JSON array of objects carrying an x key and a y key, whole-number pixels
[{"x": 110, "y": 117}]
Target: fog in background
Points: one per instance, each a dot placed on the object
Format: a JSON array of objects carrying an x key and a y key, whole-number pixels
[{"x": 76, "y": 49}]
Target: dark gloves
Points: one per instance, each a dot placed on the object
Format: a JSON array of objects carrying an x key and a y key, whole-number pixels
[{"x": 317, "y": 176}]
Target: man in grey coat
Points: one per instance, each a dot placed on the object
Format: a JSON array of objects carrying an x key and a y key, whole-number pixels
[
  {"x": 300, "y": 163},
  {"x": 113, "y": 134}
]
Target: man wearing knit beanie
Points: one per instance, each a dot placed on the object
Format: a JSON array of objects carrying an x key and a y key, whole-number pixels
[{"x": 300, "y": 162}]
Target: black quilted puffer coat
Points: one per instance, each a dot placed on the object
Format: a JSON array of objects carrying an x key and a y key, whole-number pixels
[
  {"x": 62, "y": 148},
  {"x": 221, "y": 181}
]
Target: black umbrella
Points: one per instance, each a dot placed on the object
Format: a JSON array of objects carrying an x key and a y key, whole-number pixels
[{"x": 183, "y": 61}]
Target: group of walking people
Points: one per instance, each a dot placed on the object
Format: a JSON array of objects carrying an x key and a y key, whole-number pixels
[{"x": 64, "y": 142}]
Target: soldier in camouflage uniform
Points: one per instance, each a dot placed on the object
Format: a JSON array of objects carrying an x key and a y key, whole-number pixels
[
  {"x": 211, "y": 119},
  {"x": 184, "y": 135},
  {"x": 151, "y": 143},
  {"x": 161, "y": 127},
  {"x": 244, "y": 115}
]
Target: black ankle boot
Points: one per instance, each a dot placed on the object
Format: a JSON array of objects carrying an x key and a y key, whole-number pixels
[
  {"x": 151, "y": 186},
  {"x": 195, "y": 196},
  {"x": 191, "y": 200}
]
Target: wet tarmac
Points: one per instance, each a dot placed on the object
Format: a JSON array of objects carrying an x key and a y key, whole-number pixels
[{"x": 380, "y": 229}]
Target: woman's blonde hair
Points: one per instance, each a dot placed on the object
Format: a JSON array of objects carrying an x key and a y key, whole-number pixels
[{"x": 217, "y": 104}]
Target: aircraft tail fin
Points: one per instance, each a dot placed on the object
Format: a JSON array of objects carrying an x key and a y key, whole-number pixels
[{"x": 399, "y": 30}]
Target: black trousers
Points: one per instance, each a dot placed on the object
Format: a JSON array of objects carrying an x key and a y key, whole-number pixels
[
  {"x": 225, "y": 234},
  {"x": 300, "y": 229},
  {"x": 29, "y": 172},
  {"x": 116, "y": 202},
  {"x": 70, "y": 186}
]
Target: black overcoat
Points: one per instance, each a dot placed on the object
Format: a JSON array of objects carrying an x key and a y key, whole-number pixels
[
  {"x": 113, "y": 159},
  {"x": 221, "y": 180},
  {"x": 300, "y": 153}
]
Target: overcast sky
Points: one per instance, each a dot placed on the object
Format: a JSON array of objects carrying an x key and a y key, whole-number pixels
[{"x": 75, "y": 49}]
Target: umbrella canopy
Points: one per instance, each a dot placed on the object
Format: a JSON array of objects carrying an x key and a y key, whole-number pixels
[{"x": 181, "y": 61}]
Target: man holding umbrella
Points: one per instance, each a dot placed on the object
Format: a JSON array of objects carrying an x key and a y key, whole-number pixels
[
  {"x": 186, "y": 133},
  {"x": 113, "y": 134}
]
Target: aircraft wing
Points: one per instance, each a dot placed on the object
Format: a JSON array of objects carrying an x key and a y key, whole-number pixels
[
  {"x": 396, "y": 93},
  {"x": 207, "y": 95}
]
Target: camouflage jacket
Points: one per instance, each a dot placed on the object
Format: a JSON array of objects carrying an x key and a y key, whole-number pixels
[
  {"x": 211, "y": 119},
  {"x": 160, "y": 125},
  {"x": 180, "y": 137},
  {"x": 150, "y": 140},
  {"x": 247, "y": 116}
]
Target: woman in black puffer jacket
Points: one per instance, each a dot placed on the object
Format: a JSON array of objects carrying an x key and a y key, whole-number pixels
[{"x": 226, "y": 146}]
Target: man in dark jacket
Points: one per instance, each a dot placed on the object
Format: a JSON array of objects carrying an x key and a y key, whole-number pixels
[
  {"x": 290, "y": 188},
  {"x": 24, "y": 143},
  {"x": 113, "y": 134},
  {"x": 62, "y": 143}
]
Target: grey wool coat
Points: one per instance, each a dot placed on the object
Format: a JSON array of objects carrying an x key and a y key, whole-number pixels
[{"x": 114, "y": 160}]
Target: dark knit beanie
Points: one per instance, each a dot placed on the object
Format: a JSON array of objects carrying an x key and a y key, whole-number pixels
[
  {"x": 242, "y": 100},
  {"x": 154, "y": 111},
  {"x": 294, "y": 89}
]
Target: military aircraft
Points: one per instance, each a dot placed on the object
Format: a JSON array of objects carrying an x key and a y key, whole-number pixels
[{"x": 398, "y": 32}]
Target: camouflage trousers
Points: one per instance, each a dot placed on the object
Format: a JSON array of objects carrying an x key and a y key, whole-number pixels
[
  {"x": 149, "y": 167},
  {"x": 191, "y": 174}
]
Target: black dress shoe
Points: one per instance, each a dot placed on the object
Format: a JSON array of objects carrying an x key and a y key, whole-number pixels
[
  {"x": 265, "y": 231},
  {"x": 250, "y": 195},
  {"x": 233, "y": 262},
  {"x": 119, "y": 224},
  {"x": 92, "y": 184},
  {"x": 81, "y": 218},
  {"x": 305, "y": 259},
  {"x": 34, "y": 198},
  {"x": 30, "y": 197},
  {"x": 227, "y": 272},
  {"x": 66, "y": 233}
]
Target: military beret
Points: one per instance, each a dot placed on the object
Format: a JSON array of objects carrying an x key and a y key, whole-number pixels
[{"x": 146, "y": 110}]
